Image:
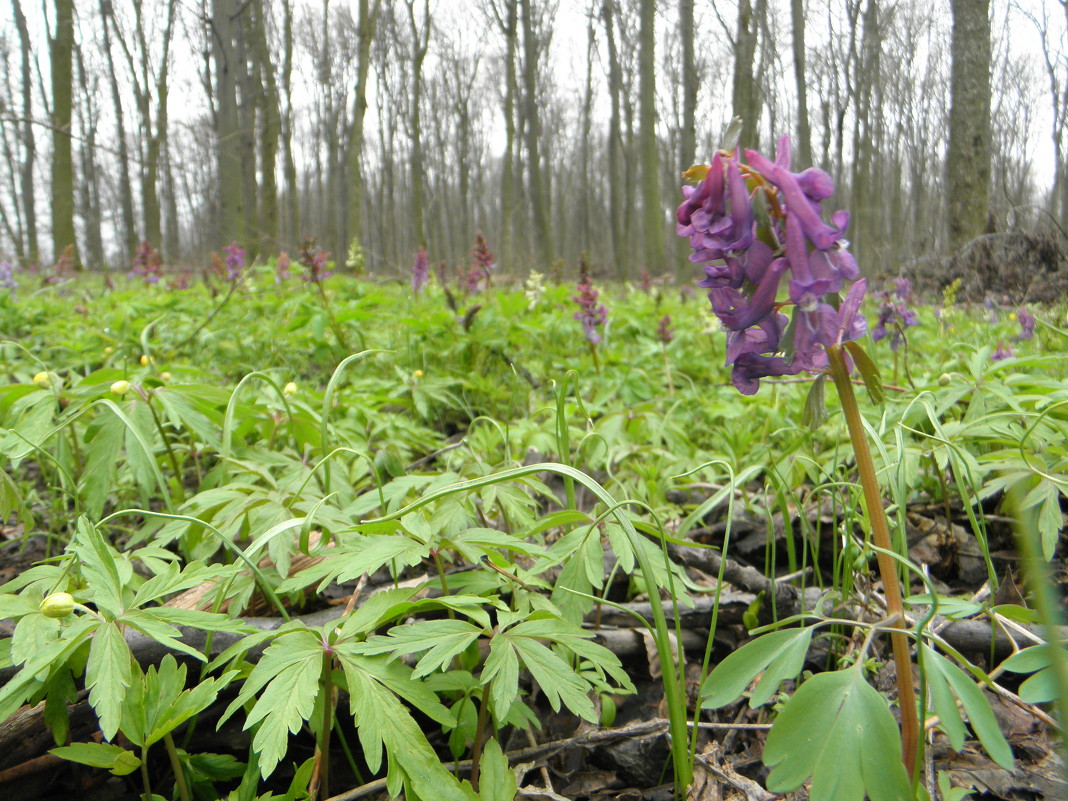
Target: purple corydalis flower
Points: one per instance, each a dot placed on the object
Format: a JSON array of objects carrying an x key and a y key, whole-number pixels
[
  {"x": 420, "y": 270},
  {"x": 664, "y": 331},
  {"x": 1027, "y": 324},
  {"x": 147, "y": 264},
  {"x": 894, "y": 315},
  {"x": 235, "y": 261},
  {"x": 482, "y": 255},
  {"x": 745, "y": 264},
  {"x": 314, "y": 260},
  {"x": 7, "y": 276},
  {"x": 1003, "y": 352},
  {"x": 591, "y": 313},
  {"x": 281, "y": 268}
]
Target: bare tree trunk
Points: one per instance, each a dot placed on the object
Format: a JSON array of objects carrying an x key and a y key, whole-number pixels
[
  {"x": 353, "y": 188},
  {"x": 803, "y": 147},
  {"x": 228, "y": 145},
  {"x": 89, "y": 185},
  {"x": 688, "y": 133},
  {"x": 615, "y": 145},
  {"x": 508, "y": 193},
  {"x": 745, "y": 94},
  {"x": 539, "y": 196},
  {"x": 26, "y": 184},
  {"x": 61, "y": 49},
  {"x": 129, "y": 223},
  {"x": 652, "y": 213},
  {"x": 420, "y": 42},
  {"x": 269, "y": 131},
  {"x": 968, "y": 156},
  {"x": 289, "y": 164},
  {"x": 584, "y": 211}
]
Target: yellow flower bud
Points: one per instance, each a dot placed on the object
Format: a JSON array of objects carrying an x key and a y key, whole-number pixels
[
  {"x": 290, "y": 389},
  {"x": 417, "y": 374},
  {"x": 120, "y": 388},
  {"x": 57, "y": 605},
  {"x": 164, "y": 377},
  {"x": 944, "y": 380},
  {"x": 42, "y": 380},
  {"x": 108, "y": 350},
  {"x": 145, "y": 360}
]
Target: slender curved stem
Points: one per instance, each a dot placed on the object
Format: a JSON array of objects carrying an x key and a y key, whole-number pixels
[
  {"x": 873, "y": 501},
  {"x": 176, "y": 766}
]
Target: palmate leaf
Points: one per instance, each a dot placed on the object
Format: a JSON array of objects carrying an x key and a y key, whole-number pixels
[
  {"x": 839, "y": 731},
  {"x": 441, "y": 639},
  {"x": 946, "y": 680},
  {"x": 496, "y": 780},
  {"x": 555, "y": 677},
  {"x": 100, "y": 755},
  {"x": 1042, "y": 687},
  {"x": 107, "y": 676},
  {"x": 382, "y": 721},
  {"x": 289, "y": 671},
  {"x": 779, "y": 655}
]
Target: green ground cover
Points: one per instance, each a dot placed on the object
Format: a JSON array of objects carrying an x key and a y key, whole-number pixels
[{"x": 477, "y": 483}]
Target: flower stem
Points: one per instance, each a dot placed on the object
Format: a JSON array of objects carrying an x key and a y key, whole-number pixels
[
  {"x": 321, "y": 775},
  {"x": 906, "y": 692},
  {"x": 176, "y": 766}
]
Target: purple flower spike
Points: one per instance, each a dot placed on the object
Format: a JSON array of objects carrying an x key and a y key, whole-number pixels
[
  {"x": 420, "y": 270},
  {"x": 591, "y": 314},
  {"x": 1003, "y": 352},
  {"x": 745, "y": 262},
  {"x": 1027, "y": 324},
  {"x": 235, "y": 261}
]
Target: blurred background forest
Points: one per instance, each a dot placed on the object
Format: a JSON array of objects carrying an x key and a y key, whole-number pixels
[{"x": 554, "y": 126}]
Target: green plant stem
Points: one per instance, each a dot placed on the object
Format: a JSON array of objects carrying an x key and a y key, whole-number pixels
[
  {"x": 322, "y": 777},
  {"x": 880, "y": 529},
  {"x": 144, "y": 774},
  {"x": 667, "y": 371},
  {"x": 596, "y": 360},
  {"x": 480, "y": 732},
  {"x": 167, "y": 444},
  {"x": 335, "y": 327},
  {"x": 1044, "y": 596},
  {"x": 176, "y": 766}
]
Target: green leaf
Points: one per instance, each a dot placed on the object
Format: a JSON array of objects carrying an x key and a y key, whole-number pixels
[
  {"x": 1042, "y": 687},
  {"x": 815, "y": 412},
  {"x": 441, "y": 639},
  {"x": 868, "y": 371},
  {"x": 100, "y": 755},
  {"x": 939, "y": 670},
  {"x": 555, "y": 678},
  {"x": 784, "y": 651},
  {"x": 99, "y": 566},
  {"x": 289, "y": 671},
  {"x": 502, "y": 668},
  {"x": 837, "y": 730},
  {"x": 107, "y": 676},
  {"x": 496, "y": 780}
]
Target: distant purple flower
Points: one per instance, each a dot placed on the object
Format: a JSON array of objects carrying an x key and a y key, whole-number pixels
[
  {"x": 1027, "y": 324},
  {"x": 482, "y": 255},
  {"x": 664, "y": 331},
  {"x": 420, "y": 270},
  {"x": 992, "y": 308},
  {"x": 147, "y": 264},
  {"x": 7, "y": 276},
  {"x": 745, "y": 265},
  {"x": 181, "y": 281},
  {"x": 1003, "y": 352},
  {"x": 903, "y": 289},
  {"x": 315, "y": 261},
  {"x": 235, "y": 261},
  {"x": 894, "y": 314},
  {"x": 591, "y": 314},
  {"x": 281, "y": 268},
  {"x": 645, "y": 281}
]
